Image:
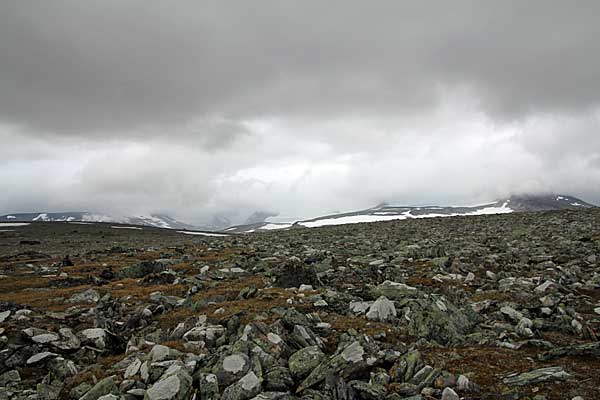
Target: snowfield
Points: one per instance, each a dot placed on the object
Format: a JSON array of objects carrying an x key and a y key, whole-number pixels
[
  {"x": 202, "y": 233},
  {"x": 11, "y": 224},
  {"x": 271, "y": 226},
  {"x": 504, "y": 209},
  {"x": 352, "y": 219},
  {"x": 385, "y": 216}
]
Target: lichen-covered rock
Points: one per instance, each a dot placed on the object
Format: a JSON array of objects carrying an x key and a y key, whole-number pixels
[
  {"x": 232, "y": 368},
  {"x": 406, "y": 367},
  {"x": 585, "y": 349},
  {"x": 449, "y": 394},
  {"x": 68, "y": 340},
  {"x": 366, "y": 390},
  {"x": 278, "y": 379},
  {"x": 394, "y": 290},
  {"x": 4, "y": 315},
  {"x": 61, "y": 368},
  {"x": 360, "y": 307},
  {"x": 133, "y": 368},
  {"x": 208, "y": 384},
  {"x": 9, "y": 377},
  {"x": 105, "y": 386},
  {"x": 79, "y": 390},
  {"x": 302, "y": 362},
  {"x": 350, "y": 360},
  {"x": 88, "y": 296},
  {"x": 537, "y": 376},
  {"x": 171, "y": 386},
  {"x": 245, "y": 388},
  {"x": 382, "y": 310},
  {"x": 210, "y": 335},
  {"x": 294, "y": 273},
  {"x": 40, "y": 357},
  {"x": 142, "y": 269},
  {"x": 439, "y": 320},
  {"x": 163, "y": 353},
  {"x": 303, "y": 336},
  {"x": 102, "y": 339}
]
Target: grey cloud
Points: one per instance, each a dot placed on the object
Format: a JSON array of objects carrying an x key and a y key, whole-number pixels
[
  {"x": 106, "y": 66},
  {"x": 202, "y": 108}
]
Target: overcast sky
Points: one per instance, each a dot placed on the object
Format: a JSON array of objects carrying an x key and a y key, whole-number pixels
[{"x": 197, "y": 108}]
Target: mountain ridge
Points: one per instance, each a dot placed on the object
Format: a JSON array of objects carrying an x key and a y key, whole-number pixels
[
  {"x": 387, "y": 212},
  {"x": 258, "y": 221},
  {"x": 152, "y": 220}
]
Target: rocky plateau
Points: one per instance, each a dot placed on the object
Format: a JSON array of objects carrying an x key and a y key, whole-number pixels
[{"x": 477, "y": 307}]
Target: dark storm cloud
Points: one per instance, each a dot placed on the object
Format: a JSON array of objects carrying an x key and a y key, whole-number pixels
[{"x": 109, "y": 66}]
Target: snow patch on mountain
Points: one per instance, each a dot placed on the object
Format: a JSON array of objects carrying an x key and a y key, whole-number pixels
[
  {"x": 202, "y": 233},
  {"x": 151, "y": 220},
  {"x": 390, "y": 216},
  {"x": 387, "y": 212},
  {"x": 272, "y": 226},
  {"x": 503, "y": 209},
  {"x": 41, "y": 217},
  {"x": 126, "y": 227},
  {"x": 351, "y": 219}
]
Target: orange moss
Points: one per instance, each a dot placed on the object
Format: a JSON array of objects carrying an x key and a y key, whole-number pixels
[
  {"x": 170, "y": 319},
  {"x": 20, "y": 291},
  {"x": 133, "y": 288},
  {"x": 487, "y": 367}
]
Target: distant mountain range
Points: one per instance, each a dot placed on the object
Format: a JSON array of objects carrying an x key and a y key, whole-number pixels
[
  {"x": 258, "y": 220},
  {"x": 388, "y": 212},
  {"x": 155, "y": 220}
]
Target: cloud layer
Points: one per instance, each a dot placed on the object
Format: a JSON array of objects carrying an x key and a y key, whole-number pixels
[{"x": 204, "y": 108}]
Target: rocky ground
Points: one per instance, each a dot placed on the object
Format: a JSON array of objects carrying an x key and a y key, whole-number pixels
[{"x": 486, "y": 307}]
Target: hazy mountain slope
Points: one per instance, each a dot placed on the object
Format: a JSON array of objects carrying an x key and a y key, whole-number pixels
[
  {"x": 155, "y": 220},
  {"x": 382, "y": 212},
  {"x": 388, "y": 212}
]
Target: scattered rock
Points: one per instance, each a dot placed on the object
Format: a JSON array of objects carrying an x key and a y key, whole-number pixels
[
  {"x": 537, "y": 376},
  {"x": 382, "y": 310},
  {"x": 89, "y": 296},
  {"x": 302, "y": 362},
  {"x": 105, "y": 386},
  {"x": 394, "y": 290},
  {"x": 171, "y": 386}
]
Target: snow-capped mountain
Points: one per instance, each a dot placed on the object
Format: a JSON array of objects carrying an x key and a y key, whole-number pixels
[
  {"x": 154, "y": 220},
  {"x": 389, "y": 212},
  {"x": 382, "y": 212}
]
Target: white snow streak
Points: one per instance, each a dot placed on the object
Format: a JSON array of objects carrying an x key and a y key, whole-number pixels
[
  {"x": 504, "y": 209},
  {"x": 41, "y": 217},
  {"x": 202, "y": 233},
  {"x": 272, "y": 226}
]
